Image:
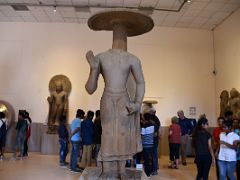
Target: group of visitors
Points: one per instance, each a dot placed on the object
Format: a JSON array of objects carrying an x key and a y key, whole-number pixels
[
  {"x": 227, "y": 147},
  {"x": 23, "y": 133},
  {"x": 84, "y": 135},
  {"x": 225, "y": 152}
]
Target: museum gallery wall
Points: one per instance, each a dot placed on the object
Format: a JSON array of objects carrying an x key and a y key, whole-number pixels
[
  {"x": 177, "y": 65},
  {"x": 227, "y": 55}
]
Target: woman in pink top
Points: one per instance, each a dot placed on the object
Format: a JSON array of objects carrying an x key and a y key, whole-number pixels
[{"x": 174, "y": 142}]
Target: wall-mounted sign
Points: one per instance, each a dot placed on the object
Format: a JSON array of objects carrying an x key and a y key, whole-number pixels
[{"x": 192, "y": 111}]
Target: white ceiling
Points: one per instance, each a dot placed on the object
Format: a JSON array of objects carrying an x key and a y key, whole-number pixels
[{"x": 202, "y": 14}]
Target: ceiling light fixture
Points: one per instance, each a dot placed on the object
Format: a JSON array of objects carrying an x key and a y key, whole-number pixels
[
  {"x": 54, "y": 8},
  {"x": 189, "y": 1},
  {"x": 20, "y": 7}
]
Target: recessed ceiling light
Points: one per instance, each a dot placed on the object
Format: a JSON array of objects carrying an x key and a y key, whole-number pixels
[
  {"x": 54, "y": 8},
  {"x": 20, "y": 7}
]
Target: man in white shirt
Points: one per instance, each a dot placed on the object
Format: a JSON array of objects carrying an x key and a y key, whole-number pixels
[{"x": 227, "y": 156}]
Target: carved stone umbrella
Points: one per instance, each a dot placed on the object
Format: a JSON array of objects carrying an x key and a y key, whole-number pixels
[{"x": 123, "y": 24}]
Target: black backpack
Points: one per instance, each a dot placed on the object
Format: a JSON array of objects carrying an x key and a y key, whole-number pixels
[{"x": 3, "y": 129}]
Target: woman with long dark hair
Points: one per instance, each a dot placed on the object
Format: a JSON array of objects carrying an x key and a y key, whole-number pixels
[{"x": 202, "y": 144}]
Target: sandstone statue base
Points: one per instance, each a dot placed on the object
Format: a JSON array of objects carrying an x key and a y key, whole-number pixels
[{"x": 93, "y": 173}]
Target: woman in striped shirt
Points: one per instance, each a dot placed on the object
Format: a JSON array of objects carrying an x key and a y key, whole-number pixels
[{"x": 147, "y": 133}]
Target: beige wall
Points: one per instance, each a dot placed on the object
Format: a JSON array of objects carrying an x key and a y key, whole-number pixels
[
  {"x": 177, "y": 64},
  {"x": 227, "y": 55}
]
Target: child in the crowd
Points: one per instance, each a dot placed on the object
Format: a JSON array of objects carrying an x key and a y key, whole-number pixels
[
  {"x": 63, "y": 141},
  {"x": 174, "y": 142}
]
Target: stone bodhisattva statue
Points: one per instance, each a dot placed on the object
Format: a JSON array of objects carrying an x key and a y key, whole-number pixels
[
  {"x": 224, "y": 100},
  {"x": 120, "y": 119},
  {"x": 230, "y": 102},
  {"x": 58, "y": 101},
  {"x": 234, "y": 102}
]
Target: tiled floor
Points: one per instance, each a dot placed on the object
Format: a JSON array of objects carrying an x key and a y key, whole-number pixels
[{"x": 45, "y": 167}]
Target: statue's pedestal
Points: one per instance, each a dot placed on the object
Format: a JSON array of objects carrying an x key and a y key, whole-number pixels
[
  {"x": 93, "y": 173},
  {"x": 50, "y": 144}
]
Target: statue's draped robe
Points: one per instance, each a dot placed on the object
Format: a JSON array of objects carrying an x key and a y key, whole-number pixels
[{"x": 121, "y": 137}]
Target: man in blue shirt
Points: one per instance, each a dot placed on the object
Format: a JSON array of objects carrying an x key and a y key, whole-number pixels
[
  {"x": 76, "y": 140},
  {"x": 186, "y": 128},
  {"x": 87, "y": 138}
]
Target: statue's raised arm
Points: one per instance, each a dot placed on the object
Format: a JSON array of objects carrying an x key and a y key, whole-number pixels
[{"x": 91, "y": 84}]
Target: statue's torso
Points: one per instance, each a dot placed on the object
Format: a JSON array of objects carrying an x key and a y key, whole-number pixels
[
  {"x": 115, "y": 67},
  {"x": 59, "y": 98}
]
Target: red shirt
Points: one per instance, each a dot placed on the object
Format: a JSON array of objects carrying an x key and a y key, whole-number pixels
[
  {"x": 216, "y": 133},
  {"x": 216, "y": 137},
  {"x": 175, "y": 137}
]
